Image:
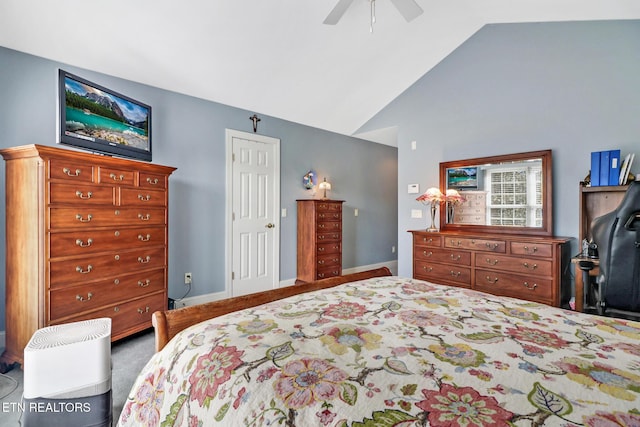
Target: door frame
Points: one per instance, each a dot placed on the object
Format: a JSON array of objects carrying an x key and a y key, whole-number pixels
[{"x": 229, "y": 135}]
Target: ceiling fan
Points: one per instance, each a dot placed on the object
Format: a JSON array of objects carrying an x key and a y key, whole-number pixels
[{"x": 409, "y": 9}]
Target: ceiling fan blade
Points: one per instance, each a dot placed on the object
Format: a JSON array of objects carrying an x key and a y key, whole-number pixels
[
  {"x": 337, "y": 12},
  {"x": 408, "y": 8}
]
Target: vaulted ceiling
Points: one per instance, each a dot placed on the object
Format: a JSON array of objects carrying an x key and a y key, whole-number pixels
[{"x": 274, "y": 57}]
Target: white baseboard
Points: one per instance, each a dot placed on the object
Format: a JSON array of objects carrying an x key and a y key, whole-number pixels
[
  {"x": 215, "y": 296},
  {"x": 201, "y": 299}
]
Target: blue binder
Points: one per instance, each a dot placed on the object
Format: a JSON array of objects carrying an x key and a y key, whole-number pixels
[
  {"x": 605, "y": 165},
  {"x": 614, "y": 167}
]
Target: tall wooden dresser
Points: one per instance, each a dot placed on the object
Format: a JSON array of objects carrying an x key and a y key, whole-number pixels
[
  {"x": 319, "y": 252},
  {"x": 526, "y": 267},
  {"x": 86, "y": 238}
]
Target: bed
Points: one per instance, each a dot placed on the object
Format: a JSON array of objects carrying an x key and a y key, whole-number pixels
[{"x": 380, "y": 350}]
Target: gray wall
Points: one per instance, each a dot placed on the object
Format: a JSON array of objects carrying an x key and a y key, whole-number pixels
[
  {"x": 572, "y": 87},
  {"x": 189, "y": 133}
]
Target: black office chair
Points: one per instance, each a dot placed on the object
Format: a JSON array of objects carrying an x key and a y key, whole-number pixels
[{"x": 617, "y": 234}]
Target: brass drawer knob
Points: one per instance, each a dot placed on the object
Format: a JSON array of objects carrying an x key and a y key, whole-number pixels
[
  {"x": 115, "y": 177},
  {"x": 144, "y": 260},
  {"x": 144, "y": 238},
  {"x": 152, "y": 181}
]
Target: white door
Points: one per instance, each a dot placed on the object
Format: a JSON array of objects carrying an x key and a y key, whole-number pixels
[{"x": 254, "y": 163}]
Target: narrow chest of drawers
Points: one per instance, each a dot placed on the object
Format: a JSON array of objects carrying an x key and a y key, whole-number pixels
[
  {"x": 319, "y": 239},
  {"x": 525, "y": 267},
  {"x": 88, "y": 238}
]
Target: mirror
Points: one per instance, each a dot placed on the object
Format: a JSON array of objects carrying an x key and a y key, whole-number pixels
[{"x": 500, "y": 194}]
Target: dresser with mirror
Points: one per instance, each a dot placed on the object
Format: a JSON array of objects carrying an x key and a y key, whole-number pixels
[{"x": 496, "y": 234}]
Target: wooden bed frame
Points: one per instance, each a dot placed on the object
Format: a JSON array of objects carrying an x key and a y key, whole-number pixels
[{"x": 168, "y": 323}]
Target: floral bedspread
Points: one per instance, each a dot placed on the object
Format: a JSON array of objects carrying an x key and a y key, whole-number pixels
[{"x": 394, "y": 352}]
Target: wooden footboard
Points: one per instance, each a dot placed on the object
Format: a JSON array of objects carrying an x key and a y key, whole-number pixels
[{"x": 168, "y": 323}]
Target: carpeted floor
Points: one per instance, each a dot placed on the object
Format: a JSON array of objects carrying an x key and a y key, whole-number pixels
[{"x": 128, "y": 357}]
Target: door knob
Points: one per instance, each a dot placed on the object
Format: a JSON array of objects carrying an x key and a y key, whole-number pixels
[{"x": 270, "y": 225}]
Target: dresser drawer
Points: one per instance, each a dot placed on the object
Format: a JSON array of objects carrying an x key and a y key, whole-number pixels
[
  {"x": 127, "y": 316},
  {"x": 538, "y": 267},
  {"x": 325, "y": 272},
  {"x": 543, "y": 250},
  {"x": 151, "y": 180},
  {"x": 470, "y": 210},
  {"x": 530, "y": 288},
  {"x": 142, "y": 197},
  {"x": 68, "y": 301},
  {"x": 443, "y": 255},
  {"x": 475, "y": 219},
  {"x": 442, "y": 273},
  {"x": 330, "y": 260},
  {"x": 475, "y": 244},
  {"x": 427, "y": 240},
  {"x": 81, "y": 194},
  {"x": 328, "y": 207},
  {"x": 475, "y": 200},
  {"x": 116, "y": 176},
  {"x": 329, "y": 248},
  {"x": 86, "y": 217},
  {"x": 329, "y": 226},
  {"x": 70, "y": 171},
  {"x": 324, "y": 216},
  {"x": 88, "y": 241},
  {"x": 96, "y": 267},
  {"x": 329, "y": 237}
]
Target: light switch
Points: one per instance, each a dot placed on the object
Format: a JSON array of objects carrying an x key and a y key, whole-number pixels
[
  {"x": 414, "y": 145},
  {"x": 416, "y": 213},
  {"x": 355, "y": 212},
  {"x": 284, "y": 212},
  {"x": 413, "y": 188}
]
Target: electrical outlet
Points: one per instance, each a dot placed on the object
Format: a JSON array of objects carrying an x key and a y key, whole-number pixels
[{"x": 187, "y": 278}]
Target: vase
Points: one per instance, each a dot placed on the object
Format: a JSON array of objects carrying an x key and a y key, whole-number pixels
[{"x": 433, "y": 228}]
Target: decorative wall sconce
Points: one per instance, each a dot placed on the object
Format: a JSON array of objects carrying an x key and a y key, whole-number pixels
[{"x": 309, "y": 180}]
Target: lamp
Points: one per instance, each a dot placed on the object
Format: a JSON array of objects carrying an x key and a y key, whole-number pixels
[
  {"x": 324, "y": 185},
  {"x": 432, "y": 197},
  {"x": 452, "y": 198}
]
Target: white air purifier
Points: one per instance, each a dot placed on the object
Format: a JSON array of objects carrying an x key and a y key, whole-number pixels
[{"x": 67, "y": 375}]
